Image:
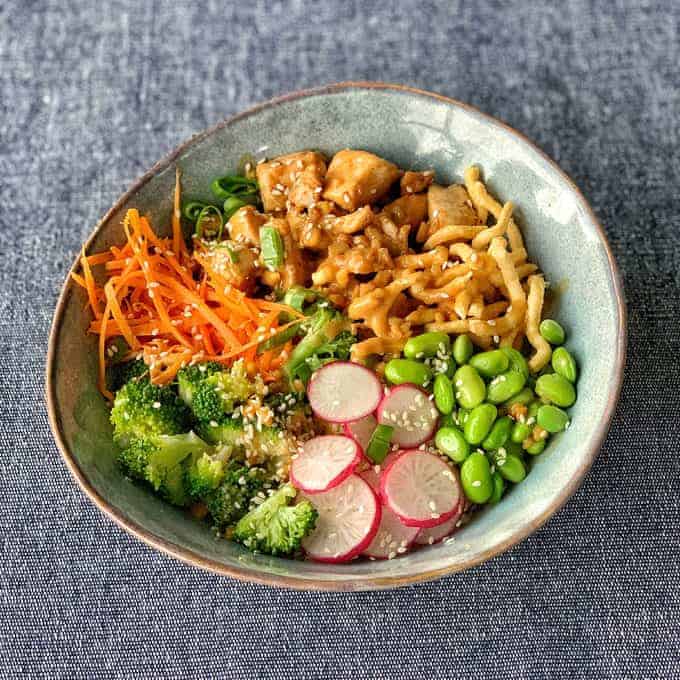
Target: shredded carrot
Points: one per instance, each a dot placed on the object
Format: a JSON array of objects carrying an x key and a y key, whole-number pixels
[{"x": 176, "y": 308}]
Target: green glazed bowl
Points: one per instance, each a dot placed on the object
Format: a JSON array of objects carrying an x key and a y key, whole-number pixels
[{"x": 414, "y": 129}]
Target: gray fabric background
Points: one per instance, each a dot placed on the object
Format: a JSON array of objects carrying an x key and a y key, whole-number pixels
[{"x": 91, "y": 94}]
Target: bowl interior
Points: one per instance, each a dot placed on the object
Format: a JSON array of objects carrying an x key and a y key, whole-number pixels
[{"x": 415, "y": 130}]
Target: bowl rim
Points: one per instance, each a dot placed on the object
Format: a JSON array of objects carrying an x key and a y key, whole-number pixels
[{"x": 364, "y": 582}]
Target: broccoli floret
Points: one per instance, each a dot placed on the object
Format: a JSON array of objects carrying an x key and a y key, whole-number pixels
[
  {"x": 159, "y": 460},
  {"x": 276, "y": 527},
  {"x": 231, "y": 500},
  {"x": 141, "y": 409},
  {"x": 224, "y": 430},
  {"x": 190, "y": 377},
  {"x": 204, "y": 474},
  {"x": 273, "y": 448},
  {"x": 122, "y": 372},
  {"x": 221, "y": 391},
  {"x": 322, "y": 328},
  {"x": 336, "y": 349}
]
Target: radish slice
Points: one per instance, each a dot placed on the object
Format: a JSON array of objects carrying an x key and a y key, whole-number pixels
[
  {"x": 435, "y": 534},
  {"x": 393, "y": 538},
  {"x": 361, "y": 430},
  {"x": 342, "y": 391},
  {"x": 412, "y": 415},
  {"x": 324, "y": 462},
  {"x": 421, "y": 489},
  {"x": 349, "y": 516}
]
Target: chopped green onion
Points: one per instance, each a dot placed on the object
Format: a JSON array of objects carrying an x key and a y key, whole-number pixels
[
  {"x": 271, "y": 246},
  {"x": 279, "y": 339},
  {"x": 233, "y": 185},
  {"x": 193, "y": 209},
  {"x": 379, "y": 443},
  {"x": 297, "y": 296},
  {"x": 246, "y": 165},
  {"x": 205, "y": 224},
  {"x": 231, "y": 205}
]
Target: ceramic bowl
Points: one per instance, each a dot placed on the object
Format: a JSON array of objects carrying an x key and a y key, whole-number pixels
[{"x": 414, "y": 129}]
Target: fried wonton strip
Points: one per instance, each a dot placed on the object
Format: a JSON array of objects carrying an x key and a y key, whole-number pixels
[
  {"x": 423, "y": 260},
  {"x": 515, "y": 316},
  {"x": 454, "y": 232},
  {"x": 533, "y": 319},
  {"x": 485, "y": 237},
  {"x": 462, "y": 303},
  {"x": 471, "y": 178},
  {"x": 456, "y": 326},
  {"x": 365, "y": 348}
]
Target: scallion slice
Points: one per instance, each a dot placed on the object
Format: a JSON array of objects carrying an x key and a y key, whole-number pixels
[
  {"x": 271, "y": 247},
  {"x": 379, "y": 443}
]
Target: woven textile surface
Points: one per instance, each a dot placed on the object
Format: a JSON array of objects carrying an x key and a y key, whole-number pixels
[{"x": 91, "y": 94}]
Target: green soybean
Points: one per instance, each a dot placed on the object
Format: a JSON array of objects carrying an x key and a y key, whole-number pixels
[
  {"x": 447, "y": 420},
  {"x": 426, "y": 345},
  {"x": 517, "y": 362},
  {"x": 536, "y": 447},
  {"x": 469, "y": 386},
  {"x": 520, "y": 431},
  {"x": 399, "y": 371},
  {"x": 479, "y": 423},
  {"x": 463, "y": 414},
  {"x": 556, "y": 389},
  {"x": 510, "y": 466},
  {"x": 514, "y": 448},
  {"x": 564, "y": 364},
  {"x": 498, "y": 487},
  {"x": 552, "y": 418},
  {"x": 499, "y": 434},
  {"x": 505, "y": 386},
  {"x": 450, "y": 440},
  {"x": 524, "y": 396},
  {"x": 443, "y": 394},
  {"x": 532, "y": 409},
  {"x": 552, "y": 332},
  {"x": 462, "y": 349},
  {"x": 490, "y": 364},
  {"x": 475, "y": 477}
]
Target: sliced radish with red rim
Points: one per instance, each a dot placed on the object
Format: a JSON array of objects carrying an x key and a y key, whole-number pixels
[
  {"x": 393, "y": 537},
  {"x": 431, "y": 535},
  {"x": 361, "y": 430},
  {"x": 409, "y": 411},
  {"x": 324, "y": 462},
  {"x": 420, "y": 488},
  {"x": 349, "y": 516},
  {"x": 343, "y": 391}
]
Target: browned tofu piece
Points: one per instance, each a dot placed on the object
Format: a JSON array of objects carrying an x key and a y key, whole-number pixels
[
  {"x": 410, "y": 209},
  {"x": 356, "y": 178},
  {"x": 448, "y": 206},
  {"x": 233, "y": 261},
  {"x": 278, "y": 177},
  {"x": 293, "y": 269},
  {"x": 414, "y": 182},
  {"x": 244, "y": 225},
  {"x": 356, "y": 221},
  {"x": 392, "y": 236}
]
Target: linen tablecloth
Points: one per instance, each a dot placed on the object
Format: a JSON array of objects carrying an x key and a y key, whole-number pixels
[{"x": 91, "y": 94}]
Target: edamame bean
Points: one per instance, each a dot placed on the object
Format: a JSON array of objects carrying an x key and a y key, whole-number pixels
[
  {"x": 563, "y": 364},
  {"x": 498, "y": 487},
  {"x": 490, "y": 364},
  {"x": 479, "y": 422},
  {"x": 524, "y": 396},
  {"x": 462, "y": 349},
  {"x": 447, "y": 420},
  {"x": 536, "y": 448},
  {"x": 499, "y": 434},
  {"x": 556, "y": 389},
  {"x": 426, "y": 345},
  {"x": 443, "y": 394},
  {"x": 504, "y": 386},
  {"x": 469, "y": 387},
  {"x": 552, "y": 332},
  {"x": 517, "y": 362},
  {"x": 514, "y": 448},
  {"x": 463, "y": 414},
  {"x": 520, "y": 432},
  {"x": 532, "y": 409},
  {"x": 510, "y": 466},
  {"x": 475, "y": 478},
  {"x": 552, "y": 418},
  {"x": 450, "y": 440},
  {"x": 399, "y": 371}
]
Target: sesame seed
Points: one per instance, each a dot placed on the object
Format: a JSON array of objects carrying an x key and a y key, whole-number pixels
[{"x": 156, "y": 404}]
